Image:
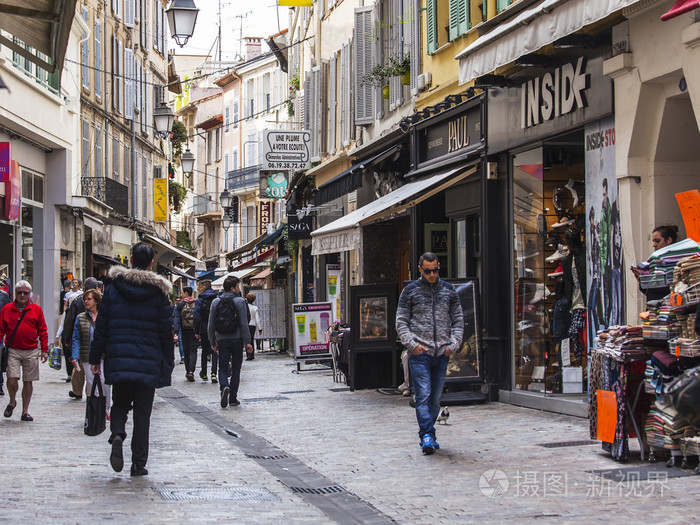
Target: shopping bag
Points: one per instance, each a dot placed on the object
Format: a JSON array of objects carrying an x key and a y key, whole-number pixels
[
  {"x": 55, "y": 357},
  {"x": 4, "y": 352},
  {"x": 95, "y": 410}
]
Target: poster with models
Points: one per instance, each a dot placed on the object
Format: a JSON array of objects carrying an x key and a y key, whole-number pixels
[
  {"x": 334, "y": 287},
  {"x": 604, "y": 259},
  {"x": 310, "y": 321}
]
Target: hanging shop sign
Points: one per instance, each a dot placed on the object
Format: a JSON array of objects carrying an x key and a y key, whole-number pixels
[
  {"x": 265, "y": 214},
  {"x": 5, "y": 158},
  {"x": 561, "y": 99},
  {"x": 276, "y": 186},
  {"x": 13, "y": 193},
  {"x": 311, "y": 320},
  {"x": 451, "y": 133},
  {"x": 286, "y": 150},
  {"x": 299, "y": 228},
  {"x": 160, "y": 200}
]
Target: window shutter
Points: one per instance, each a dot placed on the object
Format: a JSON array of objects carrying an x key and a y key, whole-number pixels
[
  {"x": 143, "y": 24},
  {"x": 415, "y": 47},
  {"x": 156, "y": 26},
  {"x": 306, "y": 96},
  {"x": 98, "y": 58},
  {"x": 98, "y": 152},
  {"x": 113, "y": 72},
  {"x": 86, "y": 149},
  {"x": 120, "y": 82},
  {"x": 431, "y": 23},
  {"x": 162, "y": 30},
  {"x": 227, "y": 118},
  {"x": 502, "y": 4},
  {"x": 323, "y": 105},
  {"x": 300, "y": 111},
  {"x": 346, "y": 115},
  {"x": 129, "y": 13},
  {"x": 314, "y": 110},
  {"x": 235, "y": 114},
  {"x": 127, "y": 164},
  {"x": 259, "y": 146},
  {"x": 378, "y": 54},
  {"x": 363, "y": 45},
  {"x": 396, "y": 48},
  {"x": 144, "y": 188},
  {"x": 129, "y": 83},
  {"x": 115, "y": 157},
  {"x": 84, "y": 54},
  {"x": 332, "y": 104}
]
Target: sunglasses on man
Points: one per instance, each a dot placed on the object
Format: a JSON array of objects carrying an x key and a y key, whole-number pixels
[{"x": 429, "y": 271}]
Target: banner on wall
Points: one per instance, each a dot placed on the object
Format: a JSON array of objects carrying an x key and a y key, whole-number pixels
[
  {"x": 5, "y": 158},
  {"x": 160, "y": 200},
  {"x": 13, "y": 193},
  {"x": 333, "y": 290},
  {"x": 310, "y": 321},
  {"x": 604, "y": 258}
]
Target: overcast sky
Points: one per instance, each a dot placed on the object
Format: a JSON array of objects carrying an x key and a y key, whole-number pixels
[{"x": 260, "y": 19}]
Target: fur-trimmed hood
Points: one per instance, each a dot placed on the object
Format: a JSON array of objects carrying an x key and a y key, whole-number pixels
[{"x": 136, "y": 283}]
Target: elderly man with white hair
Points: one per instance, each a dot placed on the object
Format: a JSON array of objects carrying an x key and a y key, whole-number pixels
[{"x": 23, "y": 326}]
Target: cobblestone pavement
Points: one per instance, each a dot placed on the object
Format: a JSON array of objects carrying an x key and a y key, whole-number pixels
[{"x": 303, "y": 449}]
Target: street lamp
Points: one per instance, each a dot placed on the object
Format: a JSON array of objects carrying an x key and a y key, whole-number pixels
[
  {"x": 187, "y": 162},
  {"x": 163, "y": 118},
  {"x": 229, "y": 203},
  {"x": 182, "y": 16}
]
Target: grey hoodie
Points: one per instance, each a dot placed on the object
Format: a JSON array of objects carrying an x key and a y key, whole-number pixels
[
  {"x": 242, "y": 333},
  {"x": 430, "y": 315}
]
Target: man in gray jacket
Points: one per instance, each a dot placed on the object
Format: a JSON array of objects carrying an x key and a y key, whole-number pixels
[
  {"x": 228, "y": 332},
  {"x": 430, "y": 324}
]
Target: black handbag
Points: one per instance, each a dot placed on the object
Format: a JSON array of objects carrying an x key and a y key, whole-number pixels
[
  {"x": 95, "y": 409},
  {"x": 684, "y": 395},
  {"x": 5, "y": 348}
]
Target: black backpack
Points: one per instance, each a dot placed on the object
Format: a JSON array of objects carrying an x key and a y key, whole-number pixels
[{"x": 226, "y": 321}]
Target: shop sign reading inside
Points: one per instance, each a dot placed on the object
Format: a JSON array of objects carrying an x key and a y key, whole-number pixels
[
  {"x": 286, "y": 150},
  {"x": 554, "y": 94}
]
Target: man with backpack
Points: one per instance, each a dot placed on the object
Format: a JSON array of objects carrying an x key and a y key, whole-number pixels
[
  {"x": 183, "y": 322},
  {"x": 228, "y": 333},
  {"x": 202, "y": 307}
]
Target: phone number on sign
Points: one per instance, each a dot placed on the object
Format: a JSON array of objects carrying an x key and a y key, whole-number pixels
[{"x": 286, "y": 165}]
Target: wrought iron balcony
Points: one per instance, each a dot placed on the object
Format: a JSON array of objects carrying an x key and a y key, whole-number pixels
[
  {"x": 243, "y": 178},
  {"x": 205, "y": 204},
  {"x": 109, "y": 191}
]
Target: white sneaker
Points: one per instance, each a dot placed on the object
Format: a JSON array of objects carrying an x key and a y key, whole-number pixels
[
  {"x": 561, "y": 254},
  {"x": 541, "y": 294}
]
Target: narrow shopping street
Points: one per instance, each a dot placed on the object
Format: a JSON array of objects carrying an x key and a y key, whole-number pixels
[{"x": 303, "y": 449}]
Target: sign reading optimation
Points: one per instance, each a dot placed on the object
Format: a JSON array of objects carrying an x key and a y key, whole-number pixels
[{"x": 286, "y": 150}]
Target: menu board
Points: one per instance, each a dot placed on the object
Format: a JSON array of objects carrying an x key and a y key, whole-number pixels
[
  {"x": 272, "y": 313},
  {"x": 311, "y": 320}
]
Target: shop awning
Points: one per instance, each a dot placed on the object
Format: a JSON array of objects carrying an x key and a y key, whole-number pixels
[
  {"x": 241, "y": 274},
  {"x": 250, "y": 262},
  {"x": 679, "y": 8},
  {"x": 42, "y": 24},
  {"x": 169, "y": 247},
  {"x": 262, "y": 275},
  {"x": 270, "y": 239},
  {"x": 247, "y": 247},
  {"x": 344, "y": 234},
  {"x": 106, "y": 259},
  {"x": 176, "y": 271},
  {"x": 350, "y": 179},
  {"x": 532, "y": 29},
  {"x": 207, "y": 275}
]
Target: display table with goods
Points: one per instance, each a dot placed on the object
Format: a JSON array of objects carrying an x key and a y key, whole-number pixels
[{"x": 633, "y": 368}]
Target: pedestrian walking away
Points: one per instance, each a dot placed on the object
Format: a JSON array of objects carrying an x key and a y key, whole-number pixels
[
  {"x": 183, "y": 322},
  {"x": 202, "y": 307},
  {"x": 134, "y": 335},
  {"x": 228, "y": 332},
  {"x": 83, "y": 334},
  {"x": 429, "y": 323},
  {"x": 253, "y": 324},
  {"x": 23, "y": 326}
]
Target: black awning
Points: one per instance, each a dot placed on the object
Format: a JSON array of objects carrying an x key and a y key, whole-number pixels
[
  {"x": 176, "y": 271},
  {"x": 105, "y": 259},
  {"x": 270, "y": 239}
]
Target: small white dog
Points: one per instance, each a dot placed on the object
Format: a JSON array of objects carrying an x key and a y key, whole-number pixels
[{"x": 444, "y": 415}]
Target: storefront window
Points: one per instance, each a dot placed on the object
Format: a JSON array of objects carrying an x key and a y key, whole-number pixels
[
  {"x": 28, "y": 243},
  {"x": 549, "y": 316}
]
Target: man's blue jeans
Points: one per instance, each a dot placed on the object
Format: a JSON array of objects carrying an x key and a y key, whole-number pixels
[
  {"x": 428, "y": 377},
  {"x": 230, "y": 350}
]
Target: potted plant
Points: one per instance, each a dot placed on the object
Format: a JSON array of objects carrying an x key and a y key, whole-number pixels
[{"x": 397, "y": 66}]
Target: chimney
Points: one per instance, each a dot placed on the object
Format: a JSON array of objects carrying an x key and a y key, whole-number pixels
[{"x": 252, "y": 47}]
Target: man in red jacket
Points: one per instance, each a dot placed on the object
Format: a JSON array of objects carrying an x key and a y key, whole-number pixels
[{"x": 24, "y": 351}]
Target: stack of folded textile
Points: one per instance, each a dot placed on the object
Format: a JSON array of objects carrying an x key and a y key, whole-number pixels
[
  {"x": 624, "y": 343},
  {"x": 664, "y": 426},
  {"x": 660, "y": 267}
]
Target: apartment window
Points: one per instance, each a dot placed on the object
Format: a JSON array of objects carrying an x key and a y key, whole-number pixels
[
  {"x": 217, "y": 137},
  {"x": 226, "y": 166},
  {"x": 129, "y": 83},
  {"x": 235, "y": 114},
  {"x": 129, "y": 12},
  {"x": 235, "y": 160},
  {"x": 98, "y": 59},
  {"x": 86, "y": 149},
  {"x": 209, "y": 147},
  {"x": 227, "y": 121},
  {"x": 127, "y": 164},
  {"x": 32, "y": 186}
]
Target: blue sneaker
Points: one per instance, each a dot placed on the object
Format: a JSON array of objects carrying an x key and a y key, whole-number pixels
[
  {"x": 428, "y": 444},
  {"x": 437, "y": 445}
]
